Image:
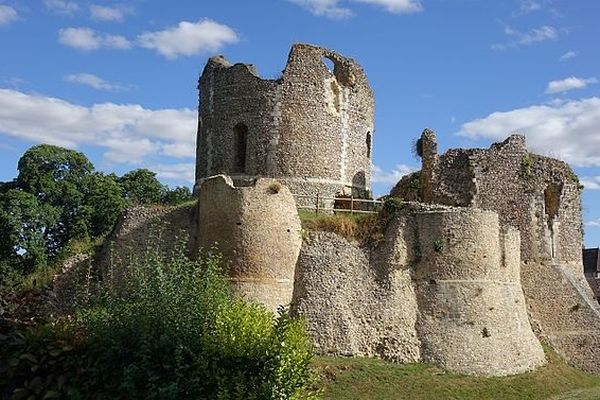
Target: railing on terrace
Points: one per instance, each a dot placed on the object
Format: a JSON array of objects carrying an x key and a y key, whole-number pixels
[{"x": 324, "y": 204}]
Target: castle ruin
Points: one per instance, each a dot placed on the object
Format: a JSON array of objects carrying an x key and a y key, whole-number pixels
[
  {"x": 482, "y": 265},
  {"x": 311, "y": 128}
]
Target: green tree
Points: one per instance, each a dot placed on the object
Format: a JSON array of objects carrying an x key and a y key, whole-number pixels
[
  {"x": 23, "y": 230},
  {"x": 178, "y": 195},
  {"x": 104, "y": 203},
  {"x": 56, "y": 176},
  {"x": 141, "y": 187}
]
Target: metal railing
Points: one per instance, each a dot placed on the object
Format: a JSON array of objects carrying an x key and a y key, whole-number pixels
[{"x": 354, "y": 205}]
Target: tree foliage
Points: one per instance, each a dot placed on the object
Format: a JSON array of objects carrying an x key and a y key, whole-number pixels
[
  {"x": 58, "y": 197},
  {"x": 141, "y": 187}
]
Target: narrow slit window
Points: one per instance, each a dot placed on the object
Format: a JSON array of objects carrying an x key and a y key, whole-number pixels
[
  {"x": 368, "y": 140},
  {"x": 240, "y": 139}
]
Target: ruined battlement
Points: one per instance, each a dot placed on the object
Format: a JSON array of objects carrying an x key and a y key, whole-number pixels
[
  {"x": 540, "y": 196},
  {"x": 311, "y": 128}
]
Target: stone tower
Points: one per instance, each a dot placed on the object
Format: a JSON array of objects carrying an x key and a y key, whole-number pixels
[{"x": 311, "y": 128}]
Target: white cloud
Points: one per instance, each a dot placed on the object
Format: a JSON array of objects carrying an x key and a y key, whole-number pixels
[
  {"x": 563, "y": 129},
  {"x": 594, "y": 223},
  {"x": 528, "y": 6},
  {"x": 590, "y": 182},
  {"x": 63, "y": 7},
  {"x": 570, "y": 83},
  {"x": 335, "y": 9},
  {"x": 87, "y": 39},
  {"x": 396, "y": 6},
  {"x": 326, "y": 8},
  {"x": 189, "y": 38},
  {"x": 392, "y": 177},
  {"x": 533, "y": 36},
  {"x": 95, "y": 82},
  {"x": 7, "y": 15},
  {"x": 176, "y": 172},
  {"x": 568, "y": 55},
  {"x": 128, "y": 132},
  {"x": 104, "y": 13}
]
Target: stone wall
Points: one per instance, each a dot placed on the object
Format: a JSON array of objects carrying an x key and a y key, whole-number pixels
[
  {"x": 443, "y": 287},
  {"x": 311, "y": 128},
  {"x": 538, "y": 195},
  {"x": 353, "y": 307},
  {"x": 472, "y": 313},
  {"x": 257, "y": 230},
  {"x": 565, "y": 313}
]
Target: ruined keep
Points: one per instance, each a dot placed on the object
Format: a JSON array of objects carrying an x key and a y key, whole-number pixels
[
  {"x": 538, "y": 195},
  {"x": 311, "y": 128},
  {"x": 481, "y": 265}
]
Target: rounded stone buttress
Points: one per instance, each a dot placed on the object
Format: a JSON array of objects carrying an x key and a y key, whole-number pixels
[{"x": 257, "y": 230}]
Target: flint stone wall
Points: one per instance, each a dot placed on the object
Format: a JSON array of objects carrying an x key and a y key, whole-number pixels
[
  {"x": 257, "y": 230},
  {"x": 311, "y": 128},
  {"x": 443, "y": 288},
  {"x": 539, "y": 196}
]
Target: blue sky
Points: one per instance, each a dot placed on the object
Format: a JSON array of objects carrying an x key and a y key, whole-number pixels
[{"x": 117, "y": 79}]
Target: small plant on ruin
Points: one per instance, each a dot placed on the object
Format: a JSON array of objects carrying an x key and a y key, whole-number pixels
[
  {"x": 439, "y": 245},
  {"x": 527, "y": 165},
  {"x": 275, "y": 187},
  {"x": 417, "y": 148}
]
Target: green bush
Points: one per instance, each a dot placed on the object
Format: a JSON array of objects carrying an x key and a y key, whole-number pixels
[
  {"x": 162, "y": 329},
  {"x": 171, "y": 329}
]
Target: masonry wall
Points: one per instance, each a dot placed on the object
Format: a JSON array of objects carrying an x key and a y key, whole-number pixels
[
  {"x": 472, "y": 313},
  {"x": 355, "y": 307},
  {"x": 443, "y": 287},
  {"x": 257, "y": 230},
  {"x": 538, "y": 195},
  {"x": 312, "y": 128}
]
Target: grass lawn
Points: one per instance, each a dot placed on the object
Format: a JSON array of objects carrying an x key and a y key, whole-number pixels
[{"x": 361, "y": 378}]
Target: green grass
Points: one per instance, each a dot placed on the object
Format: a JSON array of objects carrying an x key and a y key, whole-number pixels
[{"x": 361, "y": 378}]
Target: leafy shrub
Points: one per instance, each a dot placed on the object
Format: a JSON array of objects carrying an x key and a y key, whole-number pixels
[{"x": 170, "y": 329}]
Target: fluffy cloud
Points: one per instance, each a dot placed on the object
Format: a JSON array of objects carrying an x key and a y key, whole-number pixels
[
  {"x": 104, "y": 13},
  {"x": 392, "y": 177},
  {"x": 327, "y": 8},
  {"x": 87, "y": 39},
  {"x": 563, "y": 129},
  {"x": 591, "y": 182},
  {"x": 568, "y": 56},
  {"x": 127, "y": 132},
  {"x": 594, "y": 223},
  {"x": 334, "y": 9},
  {"x": 63, "y": 7},
  {"x": 7, "y": 15},
  {"x": 95, "y": 82},
  {"x": 396, "y": 6},
  {"x": 533, "y": 36},
  {"x": 179, "y": 172},
  {"x": 188, "y": 38},
  {"x": 570, "y": 83}
]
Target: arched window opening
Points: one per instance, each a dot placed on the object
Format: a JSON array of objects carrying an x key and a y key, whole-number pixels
[
  {"x": 329, "y": 64},
  {"x": 369, "y": 141},
  {"x": 240, "y": 139},
  {"x": 552, "y": 200}
]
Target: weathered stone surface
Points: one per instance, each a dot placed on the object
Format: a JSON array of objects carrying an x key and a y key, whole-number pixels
[
  {"x": 311, "y": 128},
  {"x": 257, "y": 230},
  {"x": 444, "y": 287},
  {"x": 353, "y": 308},
  {"x": 539, "y": 196},
  {"x": 472, "y": 314}
]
